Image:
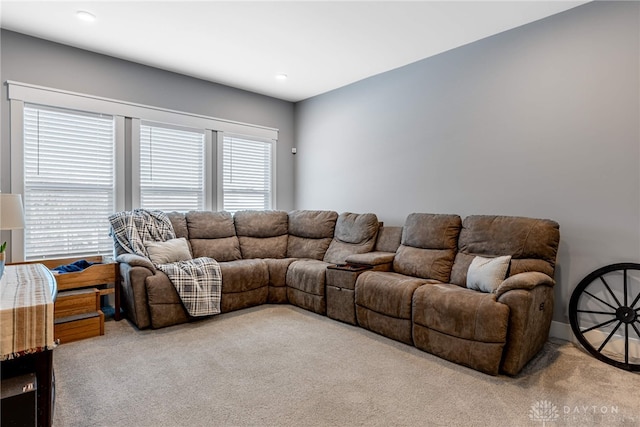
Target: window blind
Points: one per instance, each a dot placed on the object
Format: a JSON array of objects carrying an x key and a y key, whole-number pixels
[
  {"x": 247, "y": 174},
  {"x": 172, "y": 168},
  {"x": 69, "y": 182}
]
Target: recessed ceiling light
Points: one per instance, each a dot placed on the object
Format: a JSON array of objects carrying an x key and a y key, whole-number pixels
[
  {"x": 282, "y": 76},
  {"x": 85, "y": 16}
]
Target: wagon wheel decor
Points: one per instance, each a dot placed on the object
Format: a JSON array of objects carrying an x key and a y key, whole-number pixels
[{"x": 604, "y": 311}]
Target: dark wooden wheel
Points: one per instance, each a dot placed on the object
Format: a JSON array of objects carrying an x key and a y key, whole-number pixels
[{"x": 604, "y": 311}]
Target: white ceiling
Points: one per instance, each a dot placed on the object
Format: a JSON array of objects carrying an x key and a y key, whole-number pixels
[{"x": 321, "y": 46}]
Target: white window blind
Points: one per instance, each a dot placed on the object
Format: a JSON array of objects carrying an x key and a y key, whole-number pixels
[
  {"x": 172, "y": 168},
  {"x": 246, "y": 174},
  {"x": 69, "y": 181}
]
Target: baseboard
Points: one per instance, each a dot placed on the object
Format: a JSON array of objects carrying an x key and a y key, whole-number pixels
[{"x": 562, "y": 331}]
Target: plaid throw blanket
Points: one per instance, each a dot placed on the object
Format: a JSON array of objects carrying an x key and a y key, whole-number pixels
[{"x": 197, "y": 281}]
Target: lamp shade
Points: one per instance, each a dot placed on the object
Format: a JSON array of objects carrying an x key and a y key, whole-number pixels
[{"x": 11, "y": 212}]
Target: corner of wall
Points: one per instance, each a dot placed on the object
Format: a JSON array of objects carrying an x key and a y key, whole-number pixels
[{"x": 562, "y": 331}]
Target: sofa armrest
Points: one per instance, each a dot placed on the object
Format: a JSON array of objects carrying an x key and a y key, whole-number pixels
[
  {"x": 136, "y": 261},
  {"x": 530, "y": 314},
  {"x": 526, "y": 281},
  {"x": 371, "y": 259},
  {"x": 134, "y": 293},
  {"x": 378, "y": 261}
]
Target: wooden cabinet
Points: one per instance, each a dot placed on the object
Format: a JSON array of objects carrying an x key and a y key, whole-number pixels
[
  {"x": 78, "y": 315},
  {"x": 77, "y": 311}
]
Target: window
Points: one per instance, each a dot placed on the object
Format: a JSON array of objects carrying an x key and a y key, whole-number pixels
[
  {"x": 77, "y": 158},
  {"x": 172, "y": 168},
  {"x": 69, "y": 182},
  {"x": 247, "y": 174}
]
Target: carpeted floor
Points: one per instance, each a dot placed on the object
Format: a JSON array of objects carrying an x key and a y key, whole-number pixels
[{"x": 282, "y": 366}]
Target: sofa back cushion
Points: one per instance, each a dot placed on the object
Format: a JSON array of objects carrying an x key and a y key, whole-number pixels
[
  {"x": 213, "y": 235},
  {"x": 262, "y": 234},
  {"x": 428, "y": 246},
  {"x": 179, "y": 222},
  {"x": 354, "y": 234},
  {"x": 389, "y": 239},
  {"x": 310, "y": 233},
  {"x": 531, "y": 243}
]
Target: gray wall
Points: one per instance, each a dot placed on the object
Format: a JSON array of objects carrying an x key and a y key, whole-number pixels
[
  {"x": 539, "y": 121},
  {"x": 36, "y": 61}
]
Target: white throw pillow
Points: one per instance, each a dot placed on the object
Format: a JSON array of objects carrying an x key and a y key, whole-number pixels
[
  {"x": 170, "y": 251},
  {"x": 486, "y": 274}
]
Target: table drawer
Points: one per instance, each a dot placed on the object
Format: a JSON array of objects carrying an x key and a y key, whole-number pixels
[
  {"x": 70, "y": 303},
  {"x": 80, "y": 326}
]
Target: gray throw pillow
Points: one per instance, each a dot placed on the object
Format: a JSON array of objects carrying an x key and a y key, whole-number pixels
[
  {"x": 170, "y": 251},
  {"x": 486, "y": 274}
]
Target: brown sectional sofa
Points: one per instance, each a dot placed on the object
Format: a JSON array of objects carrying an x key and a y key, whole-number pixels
[{"x": 406, "y": 283}]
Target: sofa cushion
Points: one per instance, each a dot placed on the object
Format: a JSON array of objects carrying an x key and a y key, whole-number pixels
[
  {"x": 278, "y": 279},
  {"x": 423, "y": 263},
  {"x": 354, "y": 234},
  {"x": 172, "y": 250},
  {"x": 210, "y": 225},
  {"x": 387, "y": 293},
  {"x": 244, "y": 284},
  {"x": 213, "y": 235},
  {"x": 388, "y": 239},
  {"x": 461, "y": 312},
  {"x": 179, "y": 223},
  {"x": 428, "y": 246},
  {"x": 486, "y": 274},
  {"x": 308, "y": 276},
  {"x": 312, "y": 224},
  {"x": 310, "y": 233},
  {"x": 263, "y": 247},
  {"x": 244, "y": 275},
  {"x": 356, "y": 228},
  {"x": 262, "y": 234},
  {"x": 278, "y": 270},
  {"x": 223, "y": 249},
  {"x": 261, "y": 223},
  {"x": 431, "y": 231},
  {"x": 531, "y": 243},
  {"x": 301, "y": 247}
]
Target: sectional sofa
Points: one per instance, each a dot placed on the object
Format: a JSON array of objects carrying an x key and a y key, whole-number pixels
[{"x": 477, "y": 292}]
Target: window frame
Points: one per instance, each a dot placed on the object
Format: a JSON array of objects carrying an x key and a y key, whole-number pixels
[
  {"x": 17, "y": 166},
  {"x": 220, "y": 166},
  {"x": 84, "y": 194},
  {"x": 208, "y": 185}
]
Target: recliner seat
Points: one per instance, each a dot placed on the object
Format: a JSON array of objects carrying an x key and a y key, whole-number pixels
[
  {"x": 425, "y": 256},
  {"x": 479, "y": 329}
]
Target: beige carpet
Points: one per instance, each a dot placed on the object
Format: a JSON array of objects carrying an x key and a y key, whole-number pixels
[{"x": 282, "y": 366}]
